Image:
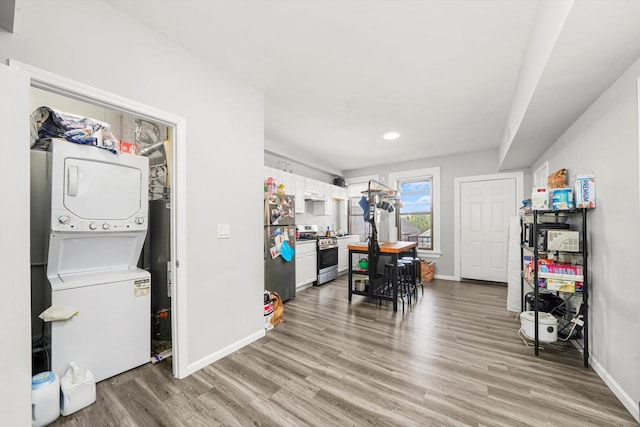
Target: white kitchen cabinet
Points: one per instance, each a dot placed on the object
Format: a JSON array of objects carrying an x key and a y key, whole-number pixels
[
  {"x": 343, "y": 251},
  {"x": 306, "y": 263},
  {"x": 286, "y": 179},
  {"x": 323, "y": 207},
  {"x": 270, "y": 173},
  {"x": 310, "y": 185},
  {"x": 298, "y": 191},
  {"x": 281, "y": 177},
  {"x": 339, "y": 193},
  {"x": 315, "y": 187}
]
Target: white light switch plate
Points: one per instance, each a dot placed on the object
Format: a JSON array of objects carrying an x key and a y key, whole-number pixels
[{"x": 224, "y": 231}]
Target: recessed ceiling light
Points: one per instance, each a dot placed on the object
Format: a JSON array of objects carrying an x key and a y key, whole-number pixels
[{"x": 390, "y": 136}]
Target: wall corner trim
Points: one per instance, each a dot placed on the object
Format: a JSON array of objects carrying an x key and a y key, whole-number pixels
[
  {"x": 208, "y": 360},
  {"x": 619, "y": 392}
]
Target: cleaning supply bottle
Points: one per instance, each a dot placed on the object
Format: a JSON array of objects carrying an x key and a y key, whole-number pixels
[
  {"x": 45, "y": 399},
  {"x": 77, "y": 389}
]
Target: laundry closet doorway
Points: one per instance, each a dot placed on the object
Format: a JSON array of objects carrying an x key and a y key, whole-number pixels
[{"x": 152, "y": 129}]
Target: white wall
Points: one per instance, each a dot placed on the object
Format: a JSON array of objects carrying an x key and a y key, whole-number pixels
[
  {"x": 550, "y": 18},
  {"x": 604, "y": 140},
  {"x": 277, "y": 161},
  {"x": 15, "y": 329},
  {"x": 459, "y": 165},
  {"x": 89, "y": 41}
]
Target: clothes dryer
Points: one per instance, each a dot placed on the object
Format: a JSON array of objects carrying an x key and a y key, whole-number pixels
[{"x": 97, "y": 219}]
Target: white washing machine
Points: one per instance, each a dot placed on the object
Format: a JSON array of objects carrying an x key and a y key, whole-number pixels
[{"x": 97, "y": 225}]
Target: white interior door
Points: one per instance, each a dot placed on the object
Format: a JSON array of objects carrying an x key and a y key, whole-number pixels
[{"x": 485, "y": 208}]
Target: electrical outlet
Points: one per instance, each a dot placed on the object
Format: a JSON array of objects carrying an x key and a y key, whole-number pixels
[{"x": 224, "y": 231}]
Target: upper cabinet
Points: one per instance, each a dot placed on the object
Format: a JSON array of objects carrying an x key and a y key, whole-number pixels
[
  {"x": 293, "y": 184},
  {"x": 282, "y": 178},
  {"x": 339, "y": 193},
  {"x": 320, "y": 193},
  {"x": 286, "y": 179},
  {"x": 270, "y": 173},
  {"x": 314, "y": 189},
  {"x": 298, "y": 187},
  {"x": 323, "y": 206}
]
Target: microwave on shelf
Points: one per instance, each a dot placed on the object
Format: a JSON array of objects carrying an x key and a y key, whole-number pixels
[{"x": 542, "y": 229}]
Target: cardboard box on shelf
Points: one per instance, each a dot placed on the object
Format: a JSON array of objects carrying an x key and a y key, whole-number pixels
[
  {"x": 561, "y": 285},
  {"x": 540, "y": 198},
  {"x": 584, "y": 189}
]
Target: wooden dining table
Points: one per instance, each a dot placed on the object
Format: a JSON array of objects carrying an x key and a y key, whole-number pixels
[{"x": 392, "y": 250}]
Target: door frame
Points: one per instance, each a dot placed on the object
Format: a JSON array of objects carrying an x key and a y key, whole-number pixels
[
  {"x": 63, "y": 86},
  {"x": 457, "y": 205}
]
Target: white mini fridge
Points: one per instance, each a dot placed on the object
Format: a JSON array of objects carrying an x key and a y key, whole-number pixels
[{"x": 97, "y": 221}]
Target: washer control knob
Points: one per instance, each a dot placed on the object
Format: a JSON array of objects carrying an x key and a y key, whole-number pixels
[
  {"x": 93, "y": 226},
  {"x": 105, "y": 226},
  {"x": 64, "y": 219},
  {"x": 139, "y": 220}
]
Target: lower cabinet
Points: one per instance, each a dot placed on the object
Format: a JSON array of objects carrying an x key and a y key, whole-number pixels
[
  {"x": 343, "y": 252},
  {"x": 306, "y": 264}
]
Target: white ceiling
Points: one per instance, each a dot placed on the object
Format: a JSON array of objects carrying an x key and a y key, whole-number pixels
[{"x": 336, "y": 74}]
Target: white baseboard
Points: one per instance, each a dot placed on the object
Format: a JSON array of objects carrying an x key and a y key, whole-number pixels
[
  {"x": 208, "y": 360},
  {"x": 443, "y": 277},
  {"x": 622, "y": 396},
  {"x": 305, "y": 286}
]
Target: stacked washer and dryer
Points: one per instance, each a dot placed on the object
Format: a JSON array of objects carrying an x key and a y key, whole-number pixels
[{"x": 96, "y": 222}]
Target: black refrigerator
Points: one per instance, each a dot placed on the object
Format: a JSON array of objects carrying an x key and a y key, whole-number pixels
[{"x": 279, "y": 245}]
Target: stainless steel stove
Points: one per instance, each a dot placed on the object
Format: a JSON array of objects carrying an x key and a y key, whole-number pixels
[{"x": 327, "y": 252}]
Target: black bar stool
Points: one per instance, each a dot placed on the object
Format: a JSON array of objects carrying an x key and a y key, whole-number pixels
[
  {"x": 408, "y": 278},
  {"x": 388, "y": 274},
  {"x": 417, "y": 271}
]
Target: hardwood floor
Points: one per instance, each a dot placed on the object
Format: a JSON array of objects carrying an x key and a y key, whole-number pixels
[{"x": 454, "y": 358}]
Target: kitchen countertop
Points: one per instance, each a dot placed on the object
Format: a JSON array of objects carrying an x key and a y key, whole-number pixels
[{"x": 386, "y": 247}]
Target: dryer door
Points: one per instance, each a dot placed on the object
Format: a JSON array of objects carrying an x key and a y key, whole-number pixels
[{"x": 98, "y": 190}]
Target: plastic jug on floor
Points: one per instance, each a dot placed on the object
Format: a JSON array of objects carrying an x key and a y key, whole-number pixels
[
  {"x": 78, "y": 389},
  {"x": 45, "y": 399}
]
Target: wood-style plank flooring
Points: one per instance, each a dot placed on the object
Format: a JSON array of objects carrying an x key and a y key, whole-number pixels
[{"x": 453, "y": 359}]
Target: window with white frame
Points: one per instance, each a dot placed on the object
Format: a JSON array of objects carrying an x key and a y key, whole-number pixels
[
  {"x": 415, "y": 216},
  {"x": 418, "y": 215}
]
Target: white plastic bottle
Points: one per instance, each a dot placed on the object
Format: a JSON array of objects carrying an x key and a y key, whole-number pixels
[
  {"x": 45, "y": 398},
  {"x": 77, "y": 389}
]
